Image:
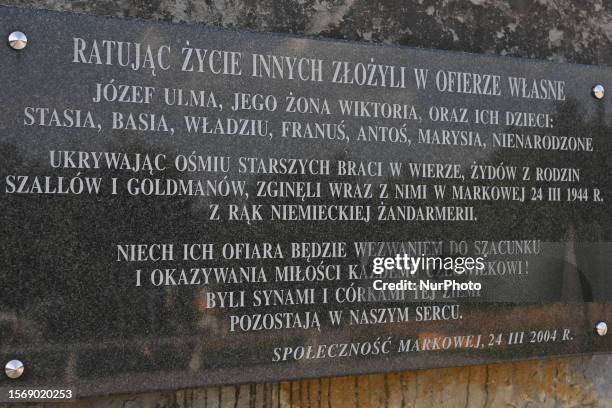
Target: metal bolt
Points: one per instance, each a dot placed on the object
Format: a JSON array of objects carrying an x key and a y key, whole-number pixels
[
  {"x": 599, "y": 91},
  {"x": 14, "y": 369},
  {"x": 601, "y": 328},
  {"x": 17, "y": 40}
]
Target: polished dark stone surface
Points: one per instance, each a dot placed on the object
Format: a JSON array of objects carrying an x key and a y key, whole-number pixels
[{"x": 73, "y": 314}]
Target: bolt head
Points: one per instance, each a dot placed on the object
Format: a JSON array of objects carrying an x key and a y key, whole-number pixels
[
  {"x": 17, "y": 40},
  {"x": 599, "y": 91},
  {"x": 14, "y": 369},
  {"x": 601, "y": 328}
]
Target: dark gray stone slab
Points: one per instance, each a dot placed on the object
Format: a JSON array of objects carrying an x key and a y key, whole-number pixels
[{"x": 75, "y": 311}]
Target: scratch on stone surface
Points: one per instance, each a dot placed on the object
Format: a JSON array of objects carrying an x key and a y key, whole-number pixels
[
  {"x": 486, "y": 386},
  {"x": 416, "y": 389},
  {"x": 467, "y": 388},
  {"x": 387, "y": 391},
  {"x": 402, "y": 387},
  {"x": 329, "y": 391},
  {"x": 356, "y": 391}
]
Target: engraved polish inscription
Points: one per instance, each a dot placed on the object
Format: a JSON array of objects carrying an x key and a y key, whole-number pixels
[{"x": 211, "y": 206}]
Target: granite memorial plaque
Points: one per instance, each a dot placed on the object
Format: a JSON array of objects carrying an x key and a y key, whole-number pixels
[{"x": 186, "y": 206}]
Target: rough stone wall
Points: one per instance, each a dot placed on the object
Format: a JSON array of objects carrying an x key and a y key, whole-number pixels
[{"x": 561, "y": 30}]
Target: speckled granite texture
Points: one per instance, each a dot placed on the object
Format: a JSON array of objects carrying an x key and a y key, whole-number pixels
[{"x": 560, "y": 30}]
